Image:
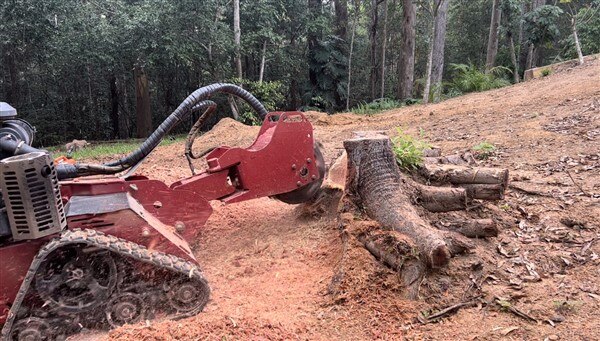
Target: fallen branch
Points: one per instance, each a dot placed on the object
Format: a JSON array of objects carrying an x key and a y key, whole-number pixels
[{"x": 446, "y": 312}]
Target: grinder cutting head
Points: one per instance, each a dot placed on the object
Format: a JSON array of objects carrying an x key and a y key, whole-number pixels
[{"x": 307, "y": 192}]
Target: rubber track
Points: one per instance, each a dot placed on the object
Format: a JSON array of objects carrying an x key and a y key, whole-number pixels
[{"x": 110, "y": 243}]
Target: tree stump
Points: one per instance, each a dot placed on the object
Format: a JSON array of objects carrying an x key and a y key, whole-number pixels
[{"x": 389, "y": 213}]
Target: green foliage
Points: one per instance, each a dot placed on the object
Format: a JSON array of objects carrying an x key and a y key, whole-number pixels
[
  {"x": 409, "y": 150},
  {"x": 541, "y": 24},
  {"x": 546, "y": 72},
  {"x": 484, "y": 150},
  {"x": 376, "y": 106},
  {"x": 270, "y": 94},
  {"x": 328, "y": 63},
  {"x": 468, "y": 78}
]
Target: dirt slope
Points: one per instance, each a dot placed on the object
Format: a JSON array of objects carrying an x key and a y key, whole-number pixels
[{"x": 270, "y": 271}]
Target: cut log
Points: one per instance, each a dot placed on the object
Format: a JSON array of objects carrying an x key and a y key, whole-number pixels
[
  {"x": 441, "y": 199},
  {"x": 432, "y": 152},
  {"x": 464, "y": 175},
  {"x": 477, "y": 228},
  {"x": 456, "y": 159},
  {"x": 484, "y": 191},
  {"x": 374, "y": 182}
]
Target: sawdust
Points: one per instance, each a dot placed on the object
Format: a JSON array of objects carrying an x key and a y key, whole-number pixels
[{"x": 272, "y": 273}]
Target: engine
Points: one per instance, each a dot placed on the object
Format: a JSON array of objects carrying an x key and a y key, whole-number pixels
[{"x": 16, "y": 129}]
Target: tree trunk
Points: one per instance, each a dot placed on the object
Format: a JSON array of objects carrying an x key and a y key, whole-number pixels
[
  {"x": 437, "y": 65},
  {"x": 237, "y": 38},
  {"x": 383, "y": 46},
  {"x": 373, "y": 48},
  {"x": 407, "y": 51},
  {"x": 374, "y": 182},
  {"x": 354, "y": 22},
  {"x": 114, "y": 107},
  {"x": 142, "y": 103},
  {"x": 262, "y": 62},
  {"x": 513, "y": 57},
  {"x": 492, "y": 47},
  {"x": 314, "y": 7},
  {"x": 576, "y": 38},
  {"x": 341, "y": 19}
]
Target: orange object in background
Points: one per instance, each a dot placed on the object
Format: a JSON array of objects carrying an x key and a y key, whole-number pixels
[{"x": 64, "y": 159}]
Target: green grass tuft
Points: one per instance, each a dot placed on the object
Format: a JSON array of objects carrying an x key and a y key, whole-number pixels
[
  {"x": 409, "y": 150},
  {"x": 484, "y": 150}
]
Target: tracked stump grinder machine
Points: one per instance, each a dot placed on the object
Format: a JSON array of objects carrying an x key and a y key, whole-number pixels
[{"x": 94, "y": 246}]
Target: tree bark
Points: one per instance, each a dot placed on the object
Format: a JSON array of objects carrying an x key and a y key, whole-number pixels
[
  {"x": 314, "y": 7},
  {"x": 262, "y": 62},
  {"x": 142, "y": 102},
  {"x": 114, "y": 107},
  {"x": 374, "y": 182},
  {"x": 492, "y": 47},
  {"x": 373, "y": 48},
  {"x": 478, "y": 228},
  {"x": 237, "y": 34},
  {"x": 458, "y": 175},
  {"x": 354, "y": 22},
  {"x": 407, "y": 51},
  {"x": 341, "y": 19},
  {"x": 513, "y": 58},
  {"x": 441, "y": 199},
  {"x": 576, "y": 38},
  {"x": 383, "y": 46},
  {"x": 437, "y": 65}
]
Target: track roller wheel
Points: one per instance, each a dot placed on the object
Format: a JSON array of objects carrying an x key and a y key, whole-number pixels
[
  {"x": 187, "y": 296},
  {"x": 31, "y": 329},
  {"x": 125, "y": 308}
]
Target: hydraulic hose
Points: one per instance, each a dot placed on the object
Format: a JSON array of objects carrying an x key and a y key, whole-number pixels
[
  {"x": 189, "y": 142},
  {"x": 14, "y": 146},
  {"x": 195, "y": 101}
]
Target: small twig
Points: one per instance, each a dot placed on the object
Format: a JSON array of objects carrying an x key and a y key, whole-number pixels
[
  {"x": 447, "y": 311},
  {"x": 529, "y": 191},
  {"x": 576, "y": 184},
  {"x": 514, "y": 310}
]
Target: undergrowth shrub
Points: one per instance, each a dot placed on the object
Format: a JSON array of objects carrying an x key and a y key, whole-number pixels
[
  {"x": 376, "y": 106},
  {"x": 468, "y": 78},
  {"x": 409, "y": 150}
]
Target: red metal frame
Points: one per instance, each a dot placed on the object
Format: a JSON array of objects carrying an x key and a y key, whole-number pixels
[{"x": 168, "y": 218}]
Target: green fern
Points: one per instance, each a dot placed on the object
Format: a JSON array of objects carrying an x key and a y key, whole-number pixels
[{"x": 468, "y": 78}]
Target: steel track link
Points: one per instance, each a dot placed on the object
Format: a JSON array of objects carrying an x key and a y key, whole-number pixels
[{"x": 113, "y": 244}]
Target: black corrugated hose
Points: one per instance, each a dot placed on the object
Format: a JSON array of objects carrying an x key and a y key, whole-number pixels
[{"x": 195, "y": 101}]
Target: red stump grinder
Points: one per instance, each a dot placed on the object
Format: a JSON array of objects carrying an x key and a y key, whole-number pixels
[{"x": 92, "y": 246}]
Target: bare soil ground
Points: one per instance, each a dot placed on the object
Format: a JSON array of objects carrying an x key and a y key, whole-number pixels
[{"x": 271, "y": 271}]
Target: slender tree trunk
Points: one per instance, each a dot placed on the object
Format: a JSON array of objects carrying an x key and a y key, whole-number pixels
[
  {"x": 534, "y": 51},
  {"x": 407, "y": 51},
  {"x": 383, "y": 47},
  {"x": 237, "y": 38},
  {"x": 492, "y": 47},
  {"x": 427, "y": 89},
  {"x": 114, "y": 107},
  {"x": 142, "y": 102},
  {"x": 576, "y": 38},
  {"x": 354, "y": 22},
  {"x": 341, "y": 30},
  {"x": 262, "y": 62},
  {"x": 513, "y": 57},
  {"x": 436, "y": 67},
  {"x": 341, "y": 18},
  {"x": 373, "y": 48},
  {"x": 314, "y": 7}
]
